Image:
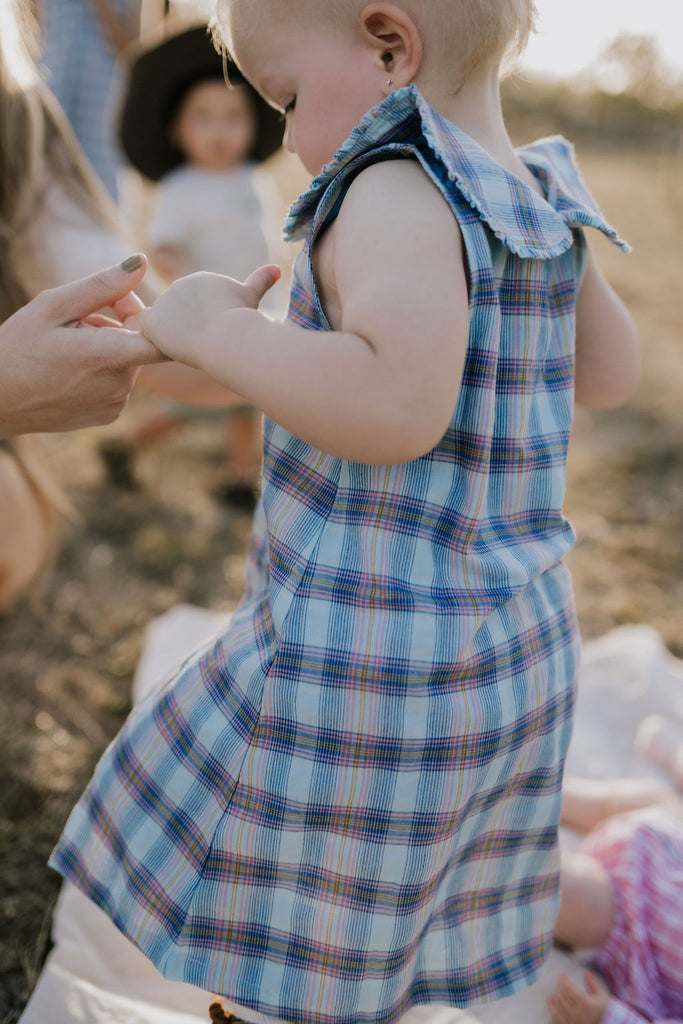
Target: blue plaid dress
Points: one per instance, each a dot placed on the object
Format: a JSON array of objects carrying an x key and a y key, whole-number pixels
[{"x": 347, "y": 804}]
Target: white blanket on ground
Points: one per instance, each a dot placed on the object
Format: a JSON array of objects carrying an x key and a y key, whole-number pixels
[{"x": 95, "y": 976}]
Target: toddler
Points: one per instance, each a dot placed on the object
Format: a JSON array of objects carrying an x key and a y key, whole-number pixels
[
  {"x": 623, "y": 893},
  {"x": 348, "y": 803},
  {"x": 181, "y": 126}
]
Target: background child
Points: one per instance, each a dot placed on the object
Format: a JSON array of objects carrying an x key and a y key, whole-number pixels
[
  {"x": 201, "y": 141},
  {"x": 214, "y": 209},
  {"x": 348, "y": 803},
  {"x": 623, "y": 892}
]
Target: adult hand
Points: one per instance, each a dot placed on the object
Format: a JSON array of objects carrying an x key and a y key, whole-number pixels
[{"x": 62, "y": 366}]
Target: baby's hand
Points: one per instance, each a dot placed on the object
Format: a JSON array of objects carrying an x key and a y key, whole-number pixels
[
  {"x": 126, "y": 311},
  {"x": 570, "y": 1005},
  {"x": 190, "y": 316}
]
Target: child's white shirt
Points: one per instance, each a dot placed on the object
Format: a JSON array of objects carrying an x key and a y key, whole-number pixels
[{"x": 225, "y": 221}]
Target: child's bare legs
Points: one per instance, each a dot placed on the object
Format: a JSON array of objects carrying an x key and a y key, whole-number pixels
[
  {"x": 189, "y": 394},
  {"x": 244, "y": 453},
  {"x": 243, "y": 449},
  {"x": 572, "y": 1005},
  {"x": 661, "y": 742},
  {"x": 245, "y": 446},
  {"x": 588, "y": 802}
]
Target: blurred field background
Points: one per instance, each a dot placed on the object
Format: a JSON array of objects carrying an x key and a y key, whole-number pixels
[{"x": 68, "y": 651}]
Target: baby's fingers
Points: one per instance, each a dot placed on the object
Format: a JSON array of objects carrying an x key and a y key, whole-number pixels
[
  {"x": 558, "y": 1011},
  {"x": 568, "y": 990},
  {"x": 128, "y": 306},
  {"x": 261, "y": 281},
  {"x": 151, "y": 324}
]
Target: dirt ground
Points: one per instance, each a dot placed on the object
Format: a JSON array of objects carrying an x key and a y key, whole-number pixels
[{"x": 67, "y": 655}]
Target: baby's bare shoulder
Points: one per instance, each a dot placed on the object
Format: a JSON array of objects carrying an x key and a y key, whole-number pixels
[{"x": 383, "y": 187}]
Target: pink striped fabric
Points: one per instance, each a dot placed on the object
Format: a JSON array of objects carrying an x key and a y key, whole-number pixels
[{"x": 642, "y": 961}]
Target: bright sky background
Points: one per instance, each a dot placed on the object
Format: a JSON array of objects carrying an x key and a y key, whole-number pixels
[{"x": 573, "y": 32}]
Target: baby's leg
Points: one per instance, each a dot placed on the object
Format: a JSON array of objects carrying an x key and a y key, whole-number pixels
[
  {"x": 587, "y": 907},
  {"x": 661, "y": 742},
  {"x": 588, "y": 802}
]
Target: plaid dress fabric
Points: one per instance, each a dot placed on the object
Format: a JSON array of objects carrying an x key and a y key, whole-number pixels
[{"x": 348, "y": 803}]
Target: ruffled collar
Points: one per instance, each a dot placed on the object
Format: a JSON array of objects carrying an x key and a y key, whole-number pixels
[{"x": 528, "y": 224}]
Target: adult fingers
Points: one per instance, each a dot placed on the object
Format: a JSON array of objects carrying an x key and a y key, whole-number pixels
[
  {"x": 262, "y": 280},
  {"x": 98, "y": 320},
  {"x": 116, "y": 347},
  {"x": 74, "y": 301}
]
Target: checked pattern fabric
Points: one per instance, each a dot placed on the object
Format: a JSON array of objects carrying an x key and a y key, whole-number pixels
[{"x": 347, "y": 804}]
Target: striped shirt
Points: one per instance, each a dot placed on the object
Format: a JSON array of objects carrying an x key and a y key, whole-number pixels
[
  {"x": 348, "y": 803},
  {"x": 81, "y": 71},
  {"x": 642, "y": 960}
]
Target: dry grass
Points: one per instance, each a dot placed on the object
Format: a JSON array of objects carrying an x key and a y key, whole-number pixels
[
  {"x": 66, "y": 662},
  {"x": 625, "y": 493}
]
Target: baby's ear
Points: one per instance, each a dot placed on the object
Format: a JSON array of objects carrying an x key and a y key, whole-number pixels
[{"x": 396, "y": 39}]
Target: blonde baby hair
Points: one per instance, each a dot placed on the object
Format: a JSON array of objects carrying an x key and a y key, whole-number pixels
[{"x": 463, "y": 34}]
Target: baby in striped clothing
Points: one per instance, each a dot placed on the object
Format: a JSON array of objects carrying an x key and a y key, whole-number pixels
[{"x": 622, "y": 896}]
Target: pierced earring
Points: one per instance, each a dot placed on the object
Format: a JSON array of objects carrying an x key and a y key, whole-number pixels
[{"x": 388, "y": 81}]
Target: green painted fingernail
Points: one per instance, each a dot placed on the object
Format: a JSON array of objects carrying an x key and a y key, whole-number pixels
[{"x": 132, "y": 263}]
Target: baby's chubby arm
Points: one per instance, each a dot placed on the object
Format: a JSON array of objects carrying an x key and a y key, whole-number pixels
[
  {"x": 380, "y": 387},
  {"x": 607, "y": 350}
]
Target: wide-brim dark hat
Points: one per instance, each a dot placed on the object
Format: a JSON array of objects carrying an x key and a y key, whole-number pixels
[{"x": 159, "y": 77}]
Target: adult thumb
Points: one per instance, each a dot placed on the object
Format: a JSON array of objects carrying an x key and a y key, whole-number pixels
[
  {"x": 79, "y": 299},
  {"x": 592, "y": 984},
  {"x": 262, "y": 280}
]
